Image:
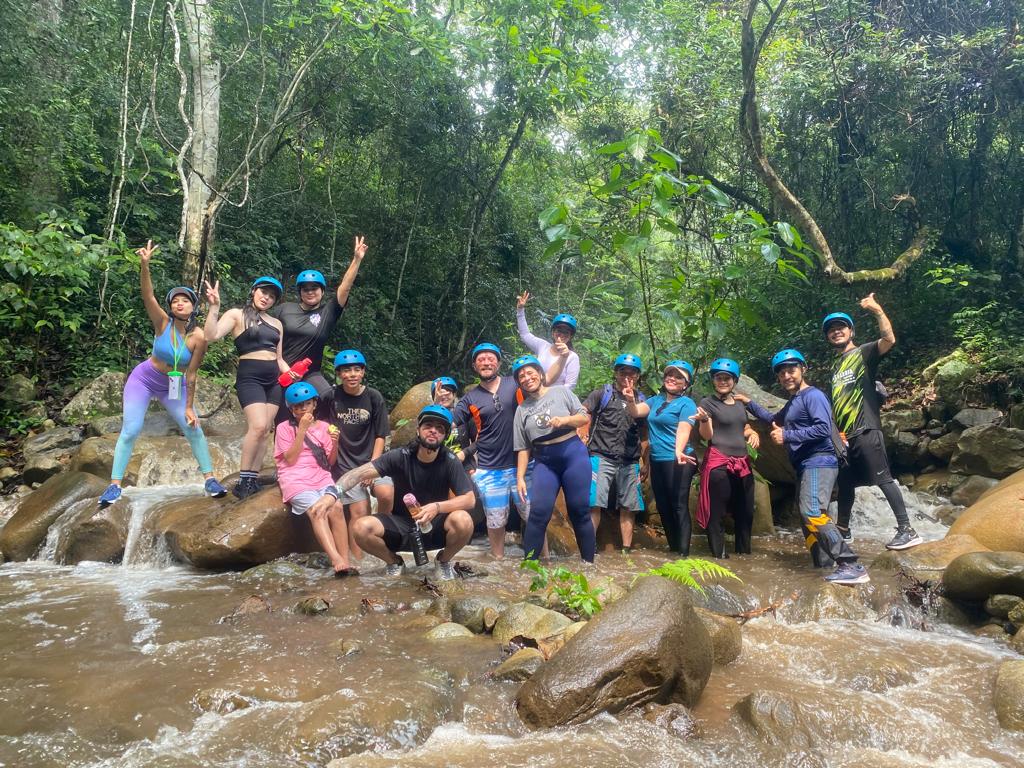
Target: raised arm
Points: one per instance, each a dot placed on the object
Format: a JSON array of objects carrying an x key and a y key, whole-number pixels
[
  {"x": 217, "y": 327},
  {"x": 887, "y": 339},
  {"x": 533, "y": 343},
  {"x": 349, "y": 278},
  {"x": 157, "y": 316},
  {"x": 636, "y": 410}
]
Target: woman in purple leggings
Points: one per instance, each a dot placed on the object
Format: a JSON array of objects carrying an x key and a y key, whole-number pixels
[{"x": 169, "y": 374}]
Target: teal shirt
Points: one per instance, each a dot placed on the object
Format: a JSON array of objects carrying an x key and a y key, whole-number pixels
[{"x": 662, "y": 422}]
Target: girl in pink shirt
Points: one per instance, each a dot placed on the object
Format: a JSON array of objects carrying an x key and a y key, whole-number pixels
[{"x": 304, "y": 451}]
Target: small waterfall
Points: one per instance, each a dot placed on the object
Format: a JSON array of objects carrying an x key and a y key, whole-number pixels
[
  {"x": 142, "y": 549},
  {"x": 873, "y": 518}
]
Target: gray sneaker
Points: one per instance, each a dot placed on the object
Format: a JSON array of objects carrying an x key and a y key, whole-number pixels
[
  {"x": 446, "y": 571},
  {"x": 849, "y": 573},
  {"x": 395, "y": 569},
  {"x": 905, "y": 538}
]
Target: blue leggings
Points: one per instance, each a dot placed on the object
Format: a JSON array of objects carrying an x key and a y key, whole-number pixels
[
  {"x": 145, "y": 383},
  {"x": 564, "y": 465}
]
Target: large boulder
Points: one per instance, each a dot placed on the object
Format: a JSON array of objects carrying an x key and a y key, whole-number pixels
[
  {"x": 159, "y": 460},
  {"x": 215, "y": 404},
  {"x": 996, "y": 520},
  {"x": 1008, "y": 696},
  {"x": 222, "y": 534},
  {"x": 942, "y": 448},
  {"x": 25, "y": 532},
  {"x": 18, "y": 389},
  {"x": 989, "y": 450},
  {"x": 975, "y": 417},
  {"x": 648, "y": 646},
  {"x": 948, "y": 376},
  {"x": 100, "y": 397},
  {"x": 403, "y": 416},
  {"x": 902, "y": 420},
  {"x": 928, "y": 561},
  {"x": 48, "y": 453},
  {"x": 726, "y": 637},
  {"x": 974, "y": 576},
  {"x": 89, "y": 533},
  {"x": 972, "y": 489},
  {"x": 469, "y": 611}
]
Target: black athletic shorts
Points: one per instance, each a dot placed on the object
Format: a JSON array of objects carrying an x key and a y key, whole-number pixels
[
  {"x": 256, "y": 382},
  {"x": 398, "y": 532},
  {"x": 867, "y": 462}
]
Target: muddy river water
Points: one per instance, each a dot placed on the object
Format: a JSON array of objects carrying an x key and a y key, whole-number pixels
[{"x": 134, "y": 665}]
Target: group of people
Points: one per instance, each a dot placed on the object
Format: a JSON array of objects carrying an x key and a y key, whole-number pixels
[{"x": 511, "y": 440}]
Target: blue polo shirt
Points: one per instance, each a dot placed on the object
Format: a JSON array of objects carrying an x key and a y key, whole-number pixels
[{"x": 662, "y": 421}]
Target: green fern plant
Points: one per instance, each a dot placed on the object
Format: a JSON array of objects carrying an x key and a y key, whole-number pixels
[{"x": 688, "y": 570}]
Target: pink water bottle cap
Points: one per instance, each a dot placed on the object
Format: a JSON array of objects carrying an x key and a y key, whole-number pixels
[{"x": 409, "y": 500}]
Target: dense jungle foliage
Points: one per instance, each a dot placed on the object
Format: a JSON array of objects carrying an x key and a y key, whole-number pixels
[{"x": 590, "y": 153}]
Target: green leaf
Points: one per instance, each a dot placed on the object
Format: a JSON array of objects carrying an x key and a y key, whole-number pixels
[
  {"x": 734, "y": 272},
  {"x": 612, "y": 149},
  {"x": 636, "y": 145},
  {"x": 785, "y": 231},
  {"x": 664, "y": 159},
  {"x": 716, "y": 196},
  {"x": 770, "y": 252}
]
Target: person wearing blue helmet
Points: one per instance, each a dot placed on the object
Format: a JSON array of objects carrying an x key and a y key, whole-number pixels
[
  {"x": 551, "y": 353},
  {"x": 488, "y": 412},
  {"x": 304, "y": 451},
  {"x": 361, "y": 414},
  {"x": 545, "y": 432},
  {"x": 257, "y": 338},
  {"x": 432, "y": 491},
  {"x": 805, "y": 427},
  {"x": 857, "y": 405},
  {"x": 618, "y": 447},
  {"x": 727, "y": 476},
  {"x": 673, "y": 464},
  {"x": 444, "y": 392},
  {"x": 309, "y": 322},
  {"x": 170, "y": 374}
]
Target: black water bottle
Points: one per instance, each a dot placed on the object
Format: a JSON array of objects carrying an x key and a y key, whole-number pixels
[{"x": 419, "y": 552}]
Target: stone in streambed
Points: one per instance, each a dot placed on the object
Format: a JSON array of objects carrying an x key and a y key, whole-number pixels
[
  {"x": 447, "y": 631},
  {"x": 1016, "y": 614},
  {"x": 650, "y": 646},
  {"x": 928, "y": 561},
  {"x": 315, "y": 605},
  {"x": 726, "y": 636},
  {"x": 777, "y": 719},
  {"x": 976, "y": 575},
  {"x": 469, "y": 611},
  {"x": 528, "y": 620},
  {"x": 25, "y": 532},
  {"x": 253, "y": 604},
  {"x": 972, "y": 489},
  {"x": 403, "y": 415},
  {"x": 1008, "y": 696},
  {"x": 220, "y": 701},
  {"x": 520, "y": 666},
  {"x": 674, "y": 718},
  {"x": 97, "y": 535},
  {"x": 996, "y": 520},
  {"x": 989, "y": 450},
  {"x": 100, "y": 397},
  {"x": 1001, "y": 605}
]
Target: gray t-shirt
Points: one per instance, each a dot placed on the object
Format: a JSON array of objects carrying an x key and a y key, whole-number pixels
[
  {"x": 728, "y": 422},
  {"x": 533, "y": 416}
]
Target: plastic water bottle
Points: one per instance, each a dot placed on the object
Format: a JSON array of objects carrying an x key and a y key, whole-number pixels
[
  {"x": 419, "y": 552},
  {"x": 411, "y": 504}
]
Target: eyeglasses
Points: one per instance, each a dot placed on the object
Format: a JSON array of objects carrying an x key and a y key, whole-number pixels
[{"x": 497, "y": 403}]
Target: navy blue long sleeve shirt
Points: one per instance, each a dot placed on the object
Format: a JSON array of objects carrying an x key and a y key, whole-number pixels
[{"x": 807, "y": 423}]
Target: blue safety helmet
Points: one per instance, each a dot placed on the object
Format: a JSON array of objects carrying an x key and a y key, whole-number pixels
[
  {"x": 564, "y": 319},
  {"x": 310, "y": 276},
  {"x": 299, "y": 392},
  {"x": 725, "y": 365},
  {"x": 349, "y": 357},
  {"x": 443, "y": 381},
  {"x": 841, "y": 317},
  {"x": 524, "y": 360},
  {"x": 268, "y": 280},
  {"x": 629, "y": 359},
  {"x": 182, "y": 290},
  {"x": 787, "y": 357},
  {"x": 485, "y": 347},
  {"x": 438, "y": 412},
  {"x": 680, "y": 365}
]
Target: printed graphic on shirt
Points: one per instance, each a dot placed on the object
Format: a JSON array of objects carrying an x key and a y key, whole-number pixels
[
  {"x": 354, "y": 416},
  {"x": 854, "y": 400}
]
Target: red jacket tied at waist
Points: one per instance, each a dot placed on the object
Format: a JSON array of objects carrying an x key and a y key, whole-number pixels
[{"x": 713, "y": 459}]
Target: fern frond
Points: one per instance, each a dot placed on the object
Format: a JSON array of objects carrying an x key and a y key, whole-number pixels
[{"x": 688, "y": 570}]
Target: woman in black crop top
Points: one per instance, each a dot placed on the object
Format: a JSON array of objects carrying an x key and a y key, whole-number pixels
[{"x": 258, "y": 341}]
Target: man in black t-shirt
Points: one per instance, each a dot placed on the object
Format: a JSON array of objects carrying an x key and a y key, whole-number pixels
[
  {"x": 360, "y": 414},
  {"x": 856, "y": 405},
  {"x": 308, "y": 324},
  {"x": 427, "y": 470}
]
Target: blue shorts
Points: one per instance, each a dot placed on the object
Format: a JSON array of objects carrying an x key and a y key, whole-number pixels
[
  {"x": 627, "y": 484},
  {"x": 496, "y": 487}
]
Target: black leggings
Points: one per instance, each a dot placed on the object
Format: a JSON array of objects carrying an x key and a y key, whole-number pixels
[
  {"x": 733, "y": 495},
  {"x": 256, "y": 382},
  {"x": 671, "y": 484}
]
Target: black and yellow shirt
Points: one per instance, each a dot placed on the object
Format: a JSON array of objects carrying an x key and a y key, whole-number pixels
[{"x": 855, "y": 401}]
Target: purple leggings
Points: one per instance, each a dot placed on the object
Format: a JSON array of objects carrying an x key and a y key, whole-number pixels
[
  {"x": 145, "y": 383},
  {"x": 564, "y": 465}
]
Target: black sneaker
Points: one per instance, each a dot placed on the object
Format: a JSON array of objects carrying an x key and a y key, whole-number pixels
[
  {"x": 846, "y": 533},
  {"x": 245, "y": 488},
  {"x": 905, "y": 538}
]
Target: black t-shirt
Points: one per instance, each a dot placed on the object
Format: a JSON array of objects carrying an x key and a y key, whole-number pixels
[
  {"x": 362, "y": 419},
  {"x": 615, "y": 434},
  {"x": 306, "y": 330},
  {"x": 490, "y": 419},
  {"x": 855, "y": 401},
  {"x": 427, "y": 482},
  {"x": 727, "y": 421}
]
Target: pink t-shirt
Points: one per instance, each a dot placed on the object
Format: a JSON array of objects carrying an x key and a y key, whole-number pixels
[{"x": 305, "y": 474}]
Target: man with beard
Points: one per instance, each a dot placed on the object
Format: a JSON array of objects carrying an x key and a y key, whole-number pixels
[
  {"x": 428, "y": 471},
  {"x": 856, "y": 404},
  {"x": 805, "y": 427}
]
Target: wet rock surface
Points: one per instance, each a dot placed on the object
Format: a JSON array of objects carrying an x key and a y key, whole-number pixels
[
  {"x": 520, "y": 666},
  {"x": 92, "y": 534},
  {"x": 650, "y": 646},
  {"x": 529, "y": 621},
  {"x": 449, "y": 630},
  {"x": 1008, "y": 697},
  {"x": 23, "y": 534},
  {"x": 989, "y": 450},
  {"x": 995, "y": 519},
  {"x": 726, "y": 636},
  {"x": 976, "y": 576}
]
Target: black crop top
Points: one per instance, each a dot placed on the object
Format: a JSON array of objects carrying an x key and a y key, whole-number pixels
[{"x": 258, "y": 337}]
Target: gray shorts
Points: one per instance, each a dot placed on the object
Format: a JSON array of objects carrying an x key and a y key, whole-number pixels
[
  {"x": 301, "y": 502},
  {"x": 361, "y": 493},
  {"x": 627, "y": 483}
]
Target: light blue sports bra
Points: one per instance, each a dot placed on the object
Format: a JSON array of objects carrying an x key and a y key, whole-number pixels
[{"x": 163, "y": 348}]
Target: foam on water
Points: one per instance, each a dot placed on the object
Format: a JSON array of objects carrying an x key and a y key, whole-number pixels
[{"x": 872, "y": 516}]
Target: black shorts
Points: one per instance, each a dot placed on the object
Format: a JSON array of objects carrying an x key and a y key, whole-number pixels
[
  {"x": 398, "y": 532},
  {"x": 867, "y": 461},
  {"x": 256, "y": 382}
]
